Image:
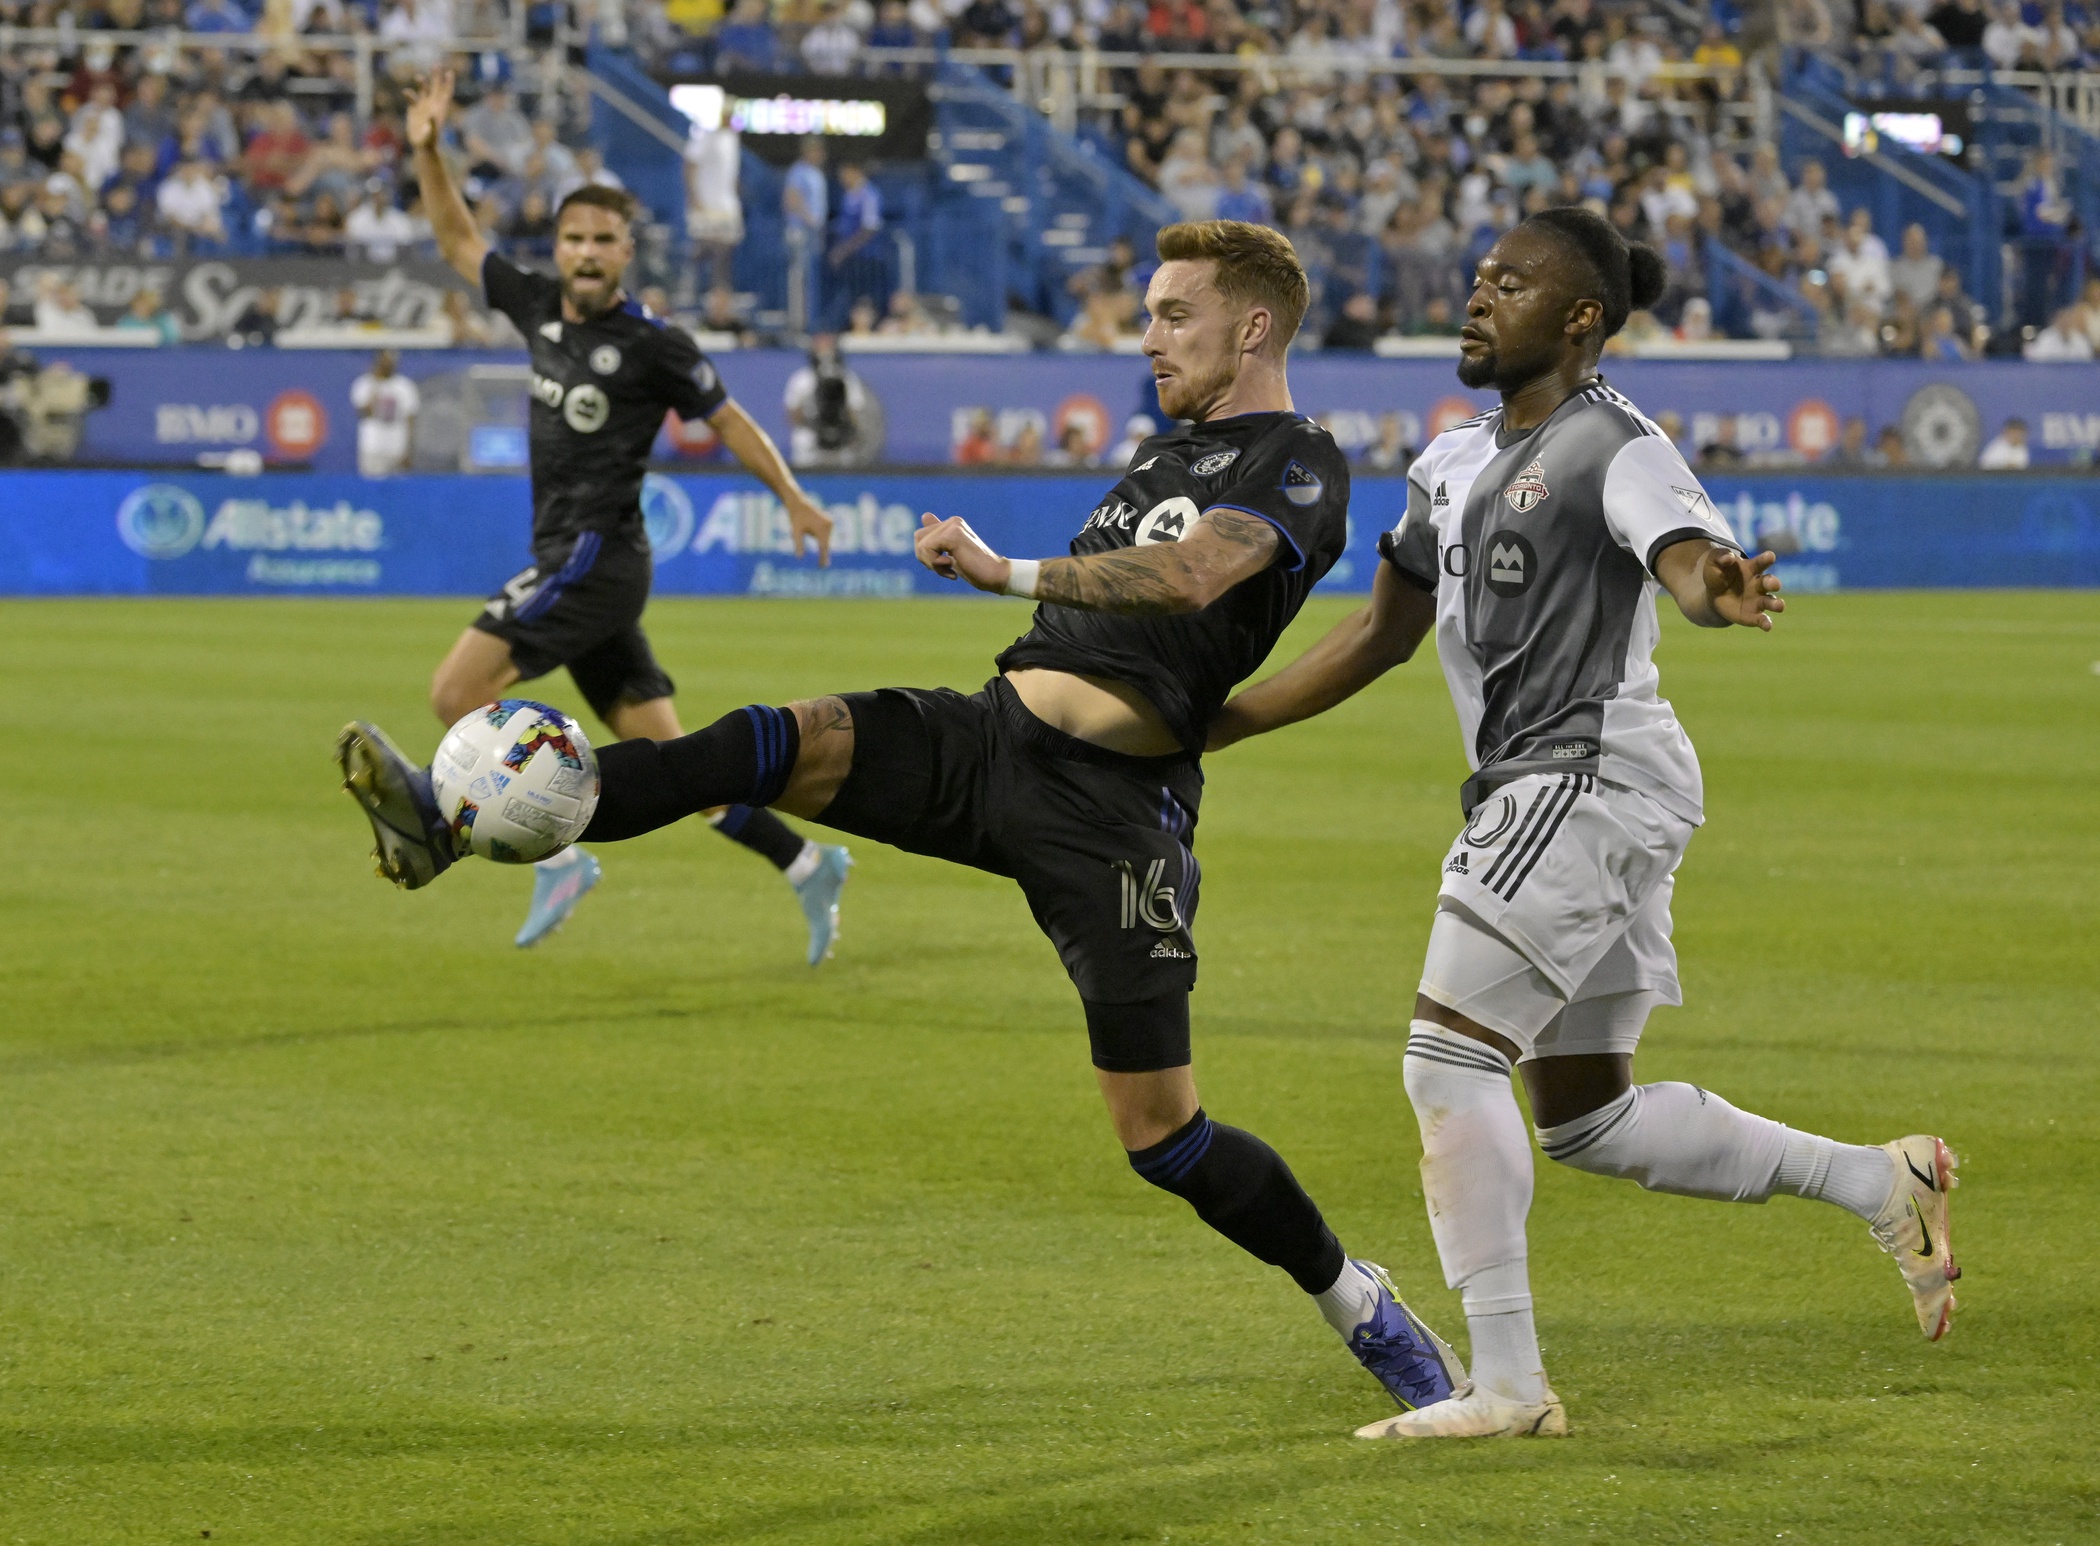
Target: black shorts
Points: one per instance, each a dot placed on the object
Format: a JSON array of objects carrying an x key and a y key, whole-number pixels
[
  {"x": 1101, "y": 844},
  {"x": 586, "y": 615}
]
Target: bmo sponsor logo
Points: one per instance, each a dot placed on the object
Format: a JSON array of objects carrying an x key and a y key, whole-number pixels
[
  {"x": 293, "y": 426},
  {"x": 193, "y": 424}
]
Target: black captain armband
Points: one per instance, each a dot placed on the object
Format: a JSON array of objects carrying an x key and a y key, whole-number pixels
[{"x": 1388, "y": 549}]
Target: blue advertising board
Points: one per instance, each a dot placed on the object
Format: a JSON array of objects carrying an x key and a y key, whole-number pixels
[
  {"x": 135, "y": 533},
  {"x": 170, "y": 406}
]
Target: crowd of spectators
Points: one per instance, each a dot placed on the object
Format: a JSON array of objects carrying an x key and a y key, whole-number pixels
[
  {"x": 1893, "y": 41},
  {"x": 1391, "y": 185},
  {"x": 135, "y": 151}
]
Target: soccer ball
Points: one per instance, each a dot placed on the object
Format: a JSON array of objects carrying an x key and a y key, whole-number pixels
[{"x": 515, "y": 781}]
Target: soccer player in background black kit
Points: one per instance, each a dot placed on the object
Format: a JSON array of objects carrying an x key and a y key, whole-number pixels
[
  {"x": 604, "y": 371},
  {"x": 1075, "y": 772}
]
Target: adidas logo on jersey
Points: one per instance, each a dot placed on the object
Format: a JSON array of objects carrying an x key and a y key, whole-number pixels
[
  {"x": 1442, "y": 500},
  {"x": 1527, "y": 488}
]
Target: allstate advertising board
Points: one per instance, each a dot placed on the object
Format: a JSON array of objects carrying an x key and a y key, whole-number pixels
[{"x": 130, "y": 533}]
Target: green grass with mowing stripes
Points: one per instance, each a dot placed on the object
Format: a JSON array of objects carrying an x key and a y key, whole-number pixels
[{"x": 327, "y": 1216}]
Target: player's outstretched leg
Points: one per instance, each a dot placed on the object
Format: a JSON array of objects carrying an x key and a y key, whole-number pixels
[
  {"x": 1683, "y": 1139},
  {"x": 816, "y": 871}
]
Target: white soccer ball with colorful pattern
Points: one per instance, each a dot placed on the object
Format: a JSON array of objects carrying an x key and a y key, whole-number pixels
[{"x": 515, "y": 781}]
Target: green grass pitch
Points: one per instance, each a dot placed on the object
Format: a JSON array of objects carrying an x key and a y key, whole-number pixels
[{"x": 327, "y": 1216}]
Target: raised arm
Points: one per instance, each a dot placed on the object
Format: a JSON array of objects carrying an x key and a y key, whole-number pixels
[
  {"x": 749, "y": 443},
  {"x": 1223, "y": 548},
  {"x": 1357, "y": 651},
  {"x": 1717, "y": 587},
  {"x": 459, "y": 239}
]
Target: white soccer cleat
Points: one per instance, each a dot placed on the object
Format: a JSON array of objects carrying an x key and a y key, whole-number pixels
[
  {"x": 1912, "y": 1227},
  {"x": 1473, "y": 1413}
]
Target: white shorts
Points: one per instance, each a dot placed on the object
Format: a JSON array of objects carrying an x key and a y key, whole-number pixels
[{"x": 1553, "y": 920}]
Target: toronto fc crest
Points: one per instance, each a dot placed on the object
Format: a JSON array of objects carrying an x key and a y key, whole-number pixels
[{"x": 1527, "y": 488}]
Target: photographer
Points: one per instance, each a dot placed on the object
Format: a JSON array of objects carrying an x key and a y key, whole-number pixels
[
  {"x": 835, "y": 420},
  {"x": 43, "y": 408}
]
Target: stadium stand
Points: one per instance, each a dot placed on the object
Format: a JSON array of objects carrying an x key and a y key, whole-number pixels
[{"x": 1902, "y": 179}]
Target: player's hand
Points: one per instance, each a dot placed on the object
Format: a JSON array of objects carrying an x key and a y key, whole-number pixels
[
  {"x": 1742, "y": 590},
  {"x": 808, "y": 523},
  {"x": 954, "y": 552},
  {"x": 429, "y": 105}
]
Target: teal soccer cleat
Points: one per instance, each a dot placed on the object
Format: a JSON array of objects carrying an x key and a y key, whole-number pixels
[
  {"x": 819, "y": 896},
  {"x": 557, "y": 886}
]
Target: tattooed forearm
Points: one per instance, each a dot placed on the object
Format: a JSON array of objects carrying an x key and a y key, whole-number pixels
[
  {"x": 1219, "y": 551},
  {"x": 1154, "y": 579}
]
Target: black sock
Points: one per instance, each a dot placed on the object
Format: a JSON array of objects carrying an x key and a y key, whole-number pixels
[
  {"x": 763, "y": 833},
  {"x": 743, "y": 758},
  {"x": 1241, "y": 1187}
]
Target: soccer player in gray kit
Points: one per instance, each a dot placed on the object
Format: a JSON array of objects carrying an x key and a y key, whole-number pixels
[{"x": 1536, "y": 539}]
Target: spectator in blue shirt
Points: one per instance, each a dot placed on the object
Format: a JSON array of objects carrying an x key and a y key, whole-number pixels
[
  {"x": 1240, "y": 199},
  {"x": 859, "y": 216},
  {"x": 853, "y": 229},
  {"x": 746, "y": 41}
]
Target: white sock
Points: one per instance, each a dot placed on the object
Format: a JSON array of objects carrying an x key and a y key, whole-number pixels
[
  {"x": 1680, "y": 1138},
  {"x": 1855, "y": 1176},
  {"x": 804, "y": 865},
  {"x": 1349, "y": 1300},
  {"x": 1505, "y": 1343},
  {"x": 1476, "y": 1179}
]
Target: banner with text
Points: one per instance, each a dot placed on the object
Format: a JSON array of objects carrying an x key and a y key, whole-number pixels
[
  {"x": 171, "y": 405},
  {"x": 112, "y": 533}
]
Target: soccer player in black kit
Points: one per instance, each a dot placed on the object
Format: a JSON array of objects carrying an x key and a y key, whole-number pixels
[
  {"x": 1075, "y": 771},
  {"x": 604, "y": 372}
]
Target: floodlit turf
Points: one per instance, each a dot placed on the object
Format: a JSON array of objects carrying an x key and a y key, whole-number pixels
[{"x": 327, "y": 1216}]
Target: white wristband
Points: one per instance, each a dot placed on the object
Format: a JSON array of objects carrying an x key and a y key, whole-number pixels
[{"x": 1021, "y": 582}]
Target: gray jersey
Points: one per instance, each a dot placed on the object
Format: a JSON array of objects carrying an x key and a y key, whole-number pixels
[{"x": 1540, "y": 548}]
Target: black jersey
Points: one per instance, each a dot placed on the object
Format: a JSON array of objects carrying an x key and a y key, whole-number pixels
[
  {"x": 1281, "y": 467},
  {"x": 599, "y": 392}
]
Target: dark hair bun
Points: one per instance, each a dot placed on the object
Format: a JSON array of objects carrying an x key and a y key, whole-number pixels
[{"x": 1647, "y": 275}]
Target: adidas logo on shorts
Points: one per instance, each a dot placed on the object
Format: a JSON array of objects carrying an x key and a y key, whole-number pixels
[
  {"x": 1167, "y": 950},
  {"x": 1456, "y": 864}
]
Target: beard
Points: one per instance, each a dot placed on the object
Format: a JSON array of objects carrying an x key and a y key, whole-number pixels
[
  {"x": 1479, "y": 370},
  {"x": 1181, "y": 395},
  {"x": 597, "y": 295}
]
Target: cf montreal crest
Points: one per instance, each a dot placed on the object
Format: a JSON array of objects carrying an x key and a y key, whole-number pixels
[
  {"x": 1216, "y": 462},
  {"x": 1527, "y": 488}
]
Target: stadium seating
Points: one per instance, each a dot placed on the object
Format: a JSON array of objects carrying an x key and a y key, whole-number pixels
[{"x": 1390, "y": 138}]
